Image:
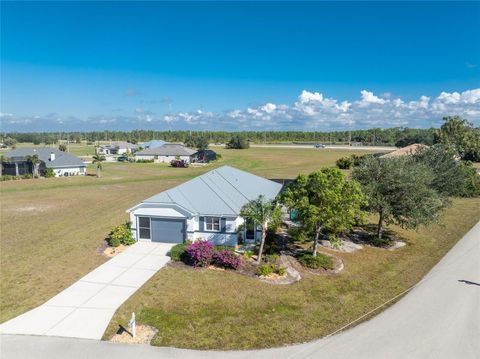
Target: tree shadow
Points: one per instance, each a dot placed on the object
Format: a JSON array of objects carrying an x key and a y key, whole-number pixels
[{"x": 468, "y": 282}]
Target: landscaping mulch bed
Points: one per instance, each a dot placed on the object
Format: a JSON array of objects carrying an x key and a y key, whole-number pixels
[
  {"x": 338, "y": 265},
  {"x": 249, "y": 269},
  {"x": 143, "y": 335}
]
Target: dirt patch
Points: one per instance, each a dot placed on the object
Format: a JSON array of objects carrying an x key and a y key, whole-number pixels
[
  {"x": 144, "y": 335},
  {"x": 113, "y": 251}
]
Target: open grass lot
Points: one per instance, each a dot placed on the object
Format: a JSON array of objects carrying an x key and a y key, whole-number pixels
[{"x": 51, "y": 228}]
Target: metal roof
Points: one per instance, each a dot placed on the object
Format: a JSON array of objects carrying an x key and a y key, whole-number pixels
[
  {"x": 222, "y": 191},
  {"x": 62, "y": 159},
  {"x": 153, "y": 144},
  {"x": 168, "y": 149}
]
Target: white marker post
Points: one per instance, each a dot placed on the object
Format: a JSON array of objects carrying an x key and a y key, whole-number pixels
[{"x": 131, "y": 324}]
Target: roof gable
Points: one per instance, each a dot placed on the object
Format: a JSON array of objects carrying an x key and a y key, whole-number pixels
[{"x": 222, "y": 191}]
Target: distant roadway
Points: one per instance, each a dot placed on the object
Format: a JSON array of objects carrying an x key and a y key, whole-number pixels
[{"x": 336, "y": 147}]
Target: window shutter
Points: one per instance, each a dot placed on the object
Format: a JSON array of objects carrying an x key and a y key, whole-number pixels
[
  {"x": 201, "y": 224},
  {"x": 223, "y": 224}
]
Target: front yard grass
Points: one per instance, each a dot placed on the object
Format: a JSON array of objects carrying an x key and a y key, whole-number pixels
[
  {"x": 207, "y": 309},
  {"x": 50, "y": 228}
]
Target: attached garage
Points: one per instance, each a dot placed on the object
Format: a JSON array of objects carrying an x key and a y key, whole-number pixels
[{"x": 165, "y": 230}]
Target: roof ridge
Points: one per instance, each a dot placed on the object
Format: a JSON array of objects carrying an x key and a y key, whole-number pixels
[
  {"x": 216, "y": 193},
  {"x": 231, "y": 184}
]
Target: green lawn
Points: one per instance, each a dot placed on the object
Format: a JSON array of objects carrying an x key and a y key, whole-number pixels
[{"x": 51, "y": 229}]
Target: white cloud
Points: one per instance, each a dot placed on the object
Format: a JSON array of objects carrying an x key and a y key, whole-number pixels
[
  {"x": 310, "y": 111},
  {"x": 369, "y": 98}
]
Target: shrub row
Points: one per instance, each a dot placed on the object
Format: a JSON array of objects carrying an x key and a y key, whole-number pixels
[
  {"x": 14, "y": 178},
  {"x": 319, "y": 261},
  {"x": 203, "y": 253},
  {"x": 144, "y": 161},
  {"x": 270, "y": 268}
]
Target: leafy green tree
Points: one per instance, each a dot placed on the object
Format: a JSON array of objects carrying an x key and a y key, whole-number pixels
[
  {"x": 460, "y": 135},
  {"x": 449, "y": 177},
  {"x": 10, "y": 142},
  {"x": 35, "y": 163},
  {"x": 326, "y": 202},
  {"x": 471, "y": 187},
  {"x": 3, "y": 159},
  {"x": 400, "y": 190},
  {"x": 97, "y": 160},
  {"x": 202, "y": 143},
  {"x": 62, "y": 147},
  {"x": 261, "y": 211},
  {"x": 237, "y": 142}
]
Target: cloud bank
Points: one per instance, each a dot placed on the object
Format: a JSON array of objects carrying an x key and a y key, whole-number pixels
[{"x": 312, "y": 111}]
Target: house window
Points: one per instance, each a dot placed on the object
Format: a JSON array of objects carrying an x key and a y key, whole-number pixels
[
  {"x": 144, "y": 227},
  {"x": 212, "y": 224}
]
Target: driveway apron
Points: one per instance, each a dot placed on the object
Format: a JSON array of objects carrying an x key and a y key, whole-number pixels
[{"x": 84, "y": 309}]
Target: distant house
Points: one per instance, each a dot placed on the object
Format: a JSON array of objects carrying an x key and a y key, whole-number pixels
[
  {"x": 167, "y": 153},
  {"x": 206, "y": 207},
  {"x": 62, "y": 163},
  {"x": 404, "y": 151},
  {"x": 116, "y": 148},
  {"x": 153, "y": 144}
]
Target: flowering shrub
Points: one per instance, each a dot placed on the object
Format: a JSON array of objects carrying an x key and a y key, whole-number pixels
[
  {"x": 227, "y": 259},
  {"x": 201, "y": 253},
  {"x": 121, "y": 235}
]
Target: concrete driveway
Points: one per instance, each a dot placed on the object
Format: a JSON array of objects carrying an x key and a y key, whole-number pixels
[
  {"x": 438, "y": 319},
  {"x": 84, "y": 309}
]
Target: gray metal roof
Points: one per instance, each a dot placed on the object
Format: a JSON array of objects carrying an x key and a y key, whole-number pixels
[
  {"x": 169, "y": 149},
  {"x": 62, "y": 159},
  {"x": 222, "y": 191},
  {"x": 153, "y": 144},
  {"x": 119, "y": 144}
]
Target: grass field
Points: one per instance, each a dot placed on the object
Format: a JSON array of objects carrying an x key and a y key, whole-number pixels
[{"x": 51, "y": 229}]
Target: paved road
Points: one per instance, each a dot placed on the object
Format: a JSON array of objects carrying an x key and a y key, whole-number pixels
[
  {"x": 84, "y": 309},
  {"x": 439, "y": 318},
  {"x": 337, "y": 147}
]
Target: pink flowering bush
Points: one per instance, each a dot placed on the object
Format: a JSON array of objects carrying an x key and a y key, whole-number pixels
[
  {"x": 227, "y": 259},
  {"x": 201, "y": 253}
]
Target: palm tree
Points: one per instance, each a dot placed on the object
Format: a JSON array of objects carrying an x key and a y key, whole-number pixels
[
  {"x": 3, "y": 159},
  {"x": 35, "y": 162},
  {"x": 260, "y": 211},
  {"x": 98, "y": 159}
]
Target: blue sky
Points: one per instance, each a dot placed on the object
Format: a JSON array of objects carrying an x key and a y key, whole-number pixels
[{"x": 237, "y": 65}]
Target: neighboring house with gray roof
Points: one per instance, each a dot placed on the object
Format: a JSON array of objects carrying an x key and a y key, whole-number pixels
[
  {"x": 62, "y": 163},
  {"x": 153, "y": 144},
  {"x": 206, "y": 207},
  {"x": 167, "y": 153},
  {"x": 116, "y": 148}
]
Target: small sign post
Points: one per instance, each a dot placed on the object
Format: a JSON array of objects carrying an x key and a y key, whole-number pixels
[{"x": 131, "y": 324}]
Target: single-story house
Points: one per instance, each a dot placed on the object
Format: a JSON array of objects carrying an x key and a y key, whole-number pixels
[
  {"x": 153, "y": 144},
  {"x": 404, "y": 151},
  {"x": 62, "y": 163},
  {"x": 116, "y": 148},
  {"x": 167, "y": 153},
  {"x": 206, "y": 207}
]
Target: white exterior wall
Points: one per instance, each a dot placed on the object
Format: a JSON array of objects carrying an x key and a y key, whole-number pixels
[
  {"x": 75, "y": 171},
  {"x": 192, "y": 228},
  {"x": 162, "y": 159}
]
